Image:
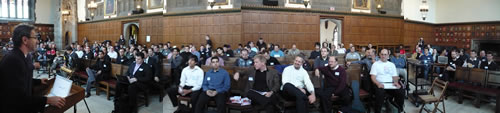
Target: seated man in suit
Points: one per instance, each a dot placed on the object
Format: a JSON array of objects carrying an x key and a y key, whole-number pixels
[
  {"x": 298, "y": 85},
  {"x": 383, "y": 72},
  {"x": 335, "y": 78},
  {"x": 191, "y": 81},
  {"x": 216, "y": 84},
  {"x": 139, "y": 76},
  {"x": 473, "y": 61},
  {"x": 321, "y": 61},
  {"x": 101, "y": 70},
  {"x": 71, "y": 58},
  {"x": 489, "y": 64},
  {"x": 270, "y": 61},
  {"x": 87, "y": 54},
  {"x": 122, "y": 59},
  {"x": 260, "y": 80}
]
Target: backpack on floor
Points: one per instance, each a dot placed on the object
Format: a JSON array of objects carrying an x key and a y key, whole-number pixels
[
  {"x": 121, "y": 105},
  {"x": 183, "y": 109}
]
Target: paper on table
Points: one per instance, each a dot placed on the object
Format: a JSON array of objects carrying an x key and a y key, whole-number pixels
[
  {"x": 61, "y": 87},
  {"x": 389, "y": 85},
  {"x": 261, "y": 93}
]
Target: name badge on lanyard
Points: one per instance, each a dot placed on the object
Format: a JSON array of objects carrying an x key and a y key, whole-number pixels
[
  {"x": 208, "y": 78},
  {"x": 337, "y": 73},
  {"x": 250, "y": 78}
]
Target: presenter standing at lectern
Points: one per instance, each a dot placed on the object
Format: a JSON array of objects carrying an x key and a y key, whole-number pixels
[{"x": 16, "y": 76}]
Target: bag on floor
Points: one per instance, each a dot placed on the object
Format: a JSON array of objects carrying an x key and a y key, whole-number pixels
[
  {"x": 183, "y": 109},
  {"x": 121, "y": 105}
]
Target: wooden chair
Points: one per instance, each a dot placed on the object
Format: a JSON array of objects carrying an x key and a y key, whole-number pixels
[
  {"x": 461, "y": 75},
  {"x": 82, "y": 76},
  {"x": 432, "y": 98},
  {"x": 475, "y": 82},
  {"x": 107, "y": 85},
  {"x": 230, "y": 61},
  {"x": 492, "y": 81}
]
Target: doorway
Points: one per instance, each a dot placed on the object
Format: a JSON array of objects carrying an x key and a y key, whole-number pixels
[
  {"x": 131, "y": 33},
  {"x": 66, "y": 38},
  {"x": 331, "y": 32}
]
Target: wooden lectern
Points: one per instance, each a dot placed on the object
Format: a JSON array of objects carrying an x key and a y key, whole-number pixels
[{"x": 76, "y": 95}]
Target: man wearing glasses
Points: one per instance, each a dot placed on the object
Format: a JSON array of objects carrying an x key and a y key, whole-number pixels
[
  {"x": 384, "y": 75},
  {"x": 16, "y": 76}
]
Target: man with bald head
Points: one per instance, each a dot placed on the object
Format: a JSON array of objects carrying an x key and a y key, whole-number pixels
[
  {"x": 335, "y": 78},
  {"x": 297, "y": 85},
  {"x": 384, "y": 72}
]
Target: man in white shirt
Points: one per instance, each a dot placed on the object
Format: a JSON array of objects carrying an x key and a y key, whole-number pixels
[
  {"x": 297, "y": 84},
  {"x": 112, "y": 54},
  {"x": 190, "y": 82},
  {"x": 384, "y": 72},
  {"x": 79, "y": 51}
]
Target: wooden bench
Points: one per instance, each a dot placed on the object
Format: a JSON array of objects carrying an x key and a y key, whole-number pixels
[
  {"x": 107, "y": 85},
  {"x": 82, "y": 76}
]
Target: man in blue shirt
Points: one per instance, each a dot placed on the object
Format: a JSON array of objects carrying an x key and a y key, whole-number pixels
[
  {"x": 215, "y": 84},
  {"x": 426, "y": 61},
  {"x": 277, "y": 52},
  {"x": 400, "y": 62}
]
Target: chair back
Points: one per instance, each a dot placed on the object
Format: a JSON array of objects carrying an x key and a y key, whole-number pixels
[
  {"x": 462, "y": 73},
  {"x": 353, "y": 73},
  {"x": 167, "y": 69},
  {"x": 124, "y": 70},
  {"x": 477, "y": 76},
  {"x": 116, "y": 69},
  {"x": 438, "y": 84},
  {"x": 493, "y": 78}
]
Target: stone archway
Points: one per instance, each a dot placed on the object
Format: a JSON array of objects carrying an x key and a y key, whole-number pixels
[{"x": 130, "y": 30}]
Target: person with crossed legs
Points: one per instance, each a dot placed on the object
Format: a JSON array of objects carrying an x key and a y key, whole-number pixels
[{"x": 298, "y": 85}]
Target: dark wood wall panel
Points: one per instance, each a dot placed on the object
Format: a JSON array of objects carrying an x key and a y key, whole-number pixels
[
  {"x": 286, "y": 28},
  {"x": 283, "y": 28},
  {"x": 362, "y": 30},
  {"x": 100, "y": 31},
  {"x": 153, "y": 27},
  {"x": 413, "y": 32},
  {"x": 222, "y": 28}
]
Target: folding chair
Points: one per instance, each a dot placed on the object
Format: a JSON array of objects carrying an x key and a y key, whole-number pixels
[{"x": 432, "y": 98}]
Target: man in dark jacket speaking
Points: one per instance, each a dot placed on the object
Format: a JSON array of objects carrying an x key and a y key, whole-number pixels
[{"x": 16, "y": 76}]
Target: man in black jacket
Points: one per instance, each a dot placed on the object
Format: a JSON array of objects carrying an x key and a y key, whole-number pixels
[
  {"x": 122, "y": 58},
  {"x": 87, "y": 54},
  {"x": 489, "y": 64},
  {"x": 16, "y": 76},
  {"x": 139, "y": 77},
  {"x": 71, "y": 58},
  {"x": 101, "y": 70}
]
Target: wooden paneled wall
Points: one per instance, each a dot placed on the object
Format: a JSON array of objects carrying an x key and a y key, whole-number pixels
[
  {"x": 283, "y": 28},
  {"x": 413, "y": 32},
  {"x": 222, "y": 28},
  {"x": 362, "y": 30},
  {"x": 100, "y": 31},
  {"x": 153, "y": 27}
]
